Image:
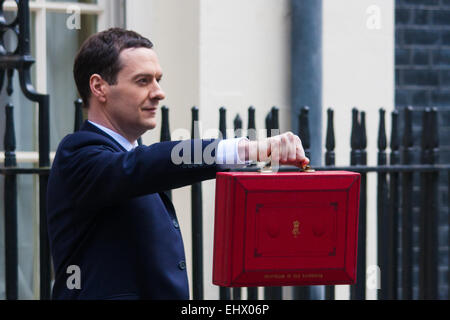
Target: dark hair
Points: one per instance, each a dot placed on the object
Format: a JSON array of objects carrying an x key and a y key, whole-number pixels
[{"x": 100, "y": 54}]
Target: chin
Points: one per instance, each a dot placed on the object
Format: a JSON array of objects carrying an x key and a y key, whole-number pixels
[{"x": 150, "y": 125}]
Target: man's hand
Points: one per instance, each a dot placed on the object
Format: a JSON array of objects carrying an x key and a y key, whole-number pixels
[{"x": 285, "y": 148}]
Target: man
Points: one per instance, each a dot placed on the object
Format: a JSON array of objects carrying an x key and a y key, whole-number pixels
[{"x": 108, "y": 216}]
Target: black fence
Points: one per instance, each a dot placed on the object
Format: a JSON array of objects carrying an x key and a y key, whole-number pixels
[
  {"x": 395, "y": 172},
  {"x": 395, "y": 175},
  {"x": 20, "y": 60}
]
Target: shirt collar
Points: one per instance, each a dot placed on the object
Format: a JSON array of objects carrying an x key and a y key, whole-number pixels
[{"x": 120, "y": 139}]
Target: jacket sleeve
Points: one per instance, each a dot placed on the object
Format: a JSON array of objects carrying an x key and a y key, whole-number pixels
[{"x": 96, "y": 173}]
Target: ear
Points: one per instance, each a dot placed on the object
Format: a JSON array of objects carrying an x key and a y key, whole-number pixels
[{"x": 98, "y": 87}]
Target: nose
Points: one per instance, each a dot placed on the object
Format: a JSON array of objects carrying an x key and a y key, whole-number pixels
[{"x": 156, "y": 92}]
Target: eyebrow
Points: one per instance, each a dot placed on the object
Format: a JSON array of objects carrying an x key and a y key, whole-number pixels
[{"x": 150, "y": 75}]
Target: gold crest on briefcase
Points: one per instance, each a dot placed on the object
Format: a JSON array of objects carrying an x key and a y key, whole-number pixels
[{"x": 295, "y": 230}]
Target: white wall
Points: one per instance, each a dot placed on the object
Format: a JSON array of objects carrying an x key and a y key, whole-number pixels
[
  {"x": 245, "y": 59},
  {"x": 216, "y": 53},
  {"x": 237, "y": 53},
  {"x": 358, "y": 71},
  {"x": 173, "y": 27}
]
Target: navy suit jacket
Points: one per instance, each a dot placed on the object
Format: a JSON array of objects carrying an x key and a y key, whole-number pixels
[{"x": 108, "y": 215}]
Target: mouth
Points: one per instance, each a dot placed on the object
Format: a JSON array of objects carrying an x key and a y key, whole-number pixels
[{"x": 150, "y": 110}]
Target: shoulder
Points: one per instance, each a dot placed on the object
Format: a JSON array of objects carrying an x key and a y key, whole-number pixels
[
  {"x": 83, "y": 139},
  {"x": 83, "y": 143}
]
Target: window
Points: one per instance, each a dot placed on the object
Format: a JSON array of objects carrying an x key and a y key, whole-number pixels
[{"x": 57, "y": 30}]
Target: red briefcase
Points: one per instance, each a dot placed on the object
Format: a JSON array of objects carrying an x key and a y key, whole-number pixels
[{"x": 286, "y": 228}]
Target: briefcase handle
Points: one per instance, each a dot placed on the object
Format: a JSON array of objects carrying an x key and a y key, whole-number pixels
[
  {"x": 253, "y": 166},
  {"x": 267, "y": 168}
]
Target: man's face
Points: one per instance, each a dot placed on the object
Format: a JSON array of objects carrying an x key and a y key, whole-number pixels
[{"x": 131, "y": 104}]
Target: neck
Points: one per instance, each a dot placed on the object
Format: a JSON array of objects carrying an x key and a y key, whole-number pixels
[{"x": 103, "y": 120}]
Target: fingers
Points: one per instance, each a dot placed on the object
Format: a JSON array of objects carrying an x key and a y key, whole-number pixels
[
  {"x": 304, "y": 162},
  {"x": 274, "y": 145},
  {"x": 286, "y": 148},
  {"x": 263, "y": 150},
  {"x": 292, "y": 147}
]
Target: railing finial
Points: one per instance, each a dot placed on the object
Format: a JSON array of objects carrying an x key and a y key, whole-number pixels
[
  {"x": 330, "y": 141},
  {"x": 223, "y": 122}
]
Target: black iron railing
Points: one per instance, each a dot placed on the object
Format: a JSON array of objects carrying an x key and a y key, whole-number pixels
[
  {"x": 394, "y": 202},
  {"x": 21, "y": 61},
  {"x": 395, "y": 181}
]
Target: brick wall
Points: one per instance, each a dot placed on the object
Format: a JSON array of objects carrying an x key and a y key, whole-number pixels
[{"x": 422, "y": 70}]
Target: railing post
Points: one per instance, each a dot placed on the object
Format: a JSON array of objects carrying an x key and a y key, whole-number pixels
[
  {"x": 237, "y": 134},
  {"x": 44, "y": 161},
  {"x": 383, "y": 246},
  {"x": 363, "y": 146},
  {"x": 251, "y": 126},
  {"x": 252, "y": 292},
  {"x": 428, "y": 230},
  {"x": 355, "y": 153},
  {"x": 275, "y": 121},
  {"x": 223, "y": 122},
  {"x": 406, "y": 220},
  {"x": 237, "y": 126},
  {"x": 330, "y": 141},
  {"x": 304, "y": 132},
  {"x": 303, "y": 292},
  {"x": 78, "y": 115},
  {"x": 197, "y": 221},
  {"x": 361, "y": 294},
  {"x": 269, "y": 125},
  {"x": 273, "y": 293},
  {"x": 10, "y": 206},
  {"x": 224, "y": 292},
  {"x": 424, "y": 159},
  {"x": 165, "y": 135},
  {"x": 330, "y": 161},
  {"x": 165, "y": 128},
  {"x": 432, "y": 221},
  {"x": 392, "y": 226},
  {"x": 359, "y": 156}
]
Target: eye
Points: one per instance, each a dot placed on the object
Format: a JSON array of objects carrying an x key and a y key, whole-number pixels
[{"x": 143, "y": 81}]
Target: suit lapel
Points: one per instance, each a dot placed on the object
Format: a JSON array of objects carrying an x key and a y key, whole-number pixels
[
  {"x": 167, "y": 202},
  {"x": 87, "y": 126}
]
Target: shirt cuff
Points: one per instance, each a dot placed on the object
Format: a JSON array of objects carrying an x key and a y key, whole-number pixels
[{"x": 228, "y": 154}]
